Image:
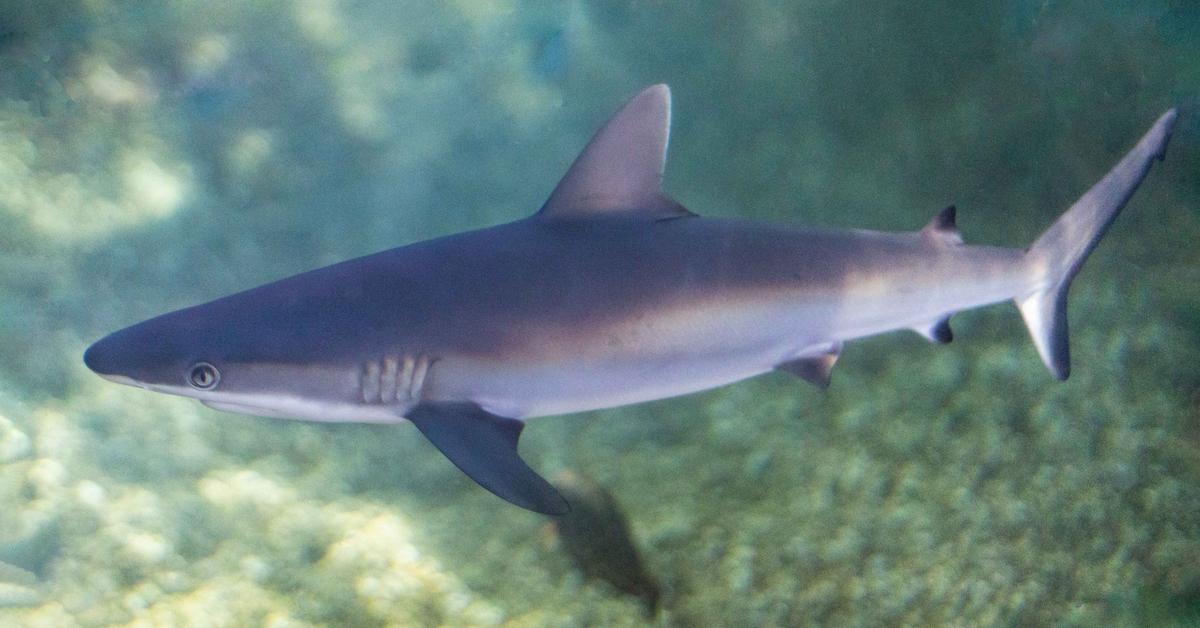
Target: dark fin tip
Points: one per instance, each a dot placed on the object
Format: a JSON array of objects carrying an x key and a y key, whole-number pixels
[
  {"x": 943, "y": 228},
  {"x": 947, "y": 219},
  {"x": 942, "y": 332}
]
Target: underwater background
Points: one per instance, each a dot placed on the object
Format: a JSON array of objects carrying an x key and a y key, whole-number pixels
[{"x": 156, "y": 155}]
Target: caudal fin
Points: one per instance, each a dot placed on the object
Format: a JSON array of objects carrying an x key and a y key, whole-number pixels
[{"x": 1058, "y": 253}]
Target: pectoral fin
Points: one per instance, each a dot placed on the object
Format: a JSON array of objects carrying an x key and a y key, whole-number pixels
[{"x": 484, "y": 446}]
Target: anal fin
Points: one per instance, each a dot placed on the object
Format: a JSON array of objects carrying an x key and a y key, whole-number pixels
[
  {"x": 484, "y": 446},
  {"x": 814, "y": 368},
  {"x": 938, "y": 331}
]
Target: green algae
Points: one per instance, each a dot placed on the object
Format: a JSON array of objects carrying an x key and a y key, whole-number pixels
[{"x": 154, "y": 157}]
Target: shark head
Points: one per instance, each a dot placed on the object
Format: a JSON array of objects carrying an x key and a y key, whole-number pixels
[
  {"x": 167, "y": 354},
  {"x": 227, "y": 355}
]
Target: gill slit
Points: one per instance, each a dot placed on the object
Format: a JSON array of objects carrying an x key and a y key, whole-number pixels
[{"x": 394, "y": 379}]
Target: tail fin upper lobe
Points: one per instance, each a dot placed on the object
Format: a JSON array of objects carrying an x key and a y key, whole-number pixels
[{"x": 1059, "y": 252}]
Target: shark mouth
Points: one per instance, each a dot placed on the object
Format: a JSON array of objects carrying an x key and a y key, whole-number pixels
[{"x": 242, "y": 408}]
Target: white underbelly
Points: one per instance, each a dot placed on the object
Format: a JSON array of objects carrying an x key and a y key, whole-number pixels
[{"x": 284, "y": 407}]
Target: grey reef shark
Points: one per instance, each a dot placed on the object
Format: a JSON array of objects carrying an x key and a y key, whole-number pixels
[{"x": 611, "y": 294}]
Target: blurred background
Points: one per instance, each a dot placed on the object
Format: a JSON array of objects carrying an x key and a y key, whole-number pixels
[{"x": 156, "y": 155}]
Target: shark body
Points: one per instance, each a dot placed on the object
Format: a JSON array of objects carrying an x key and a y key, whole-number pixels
[{"x": 611, "y": 294}]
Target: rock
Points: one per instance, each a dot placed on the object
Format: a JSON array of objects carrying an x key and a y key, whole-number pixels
[
  {"x": 36, "y": 549},
  {"x": 18, "y": 596},
  {"x": 14, "y": 444}
]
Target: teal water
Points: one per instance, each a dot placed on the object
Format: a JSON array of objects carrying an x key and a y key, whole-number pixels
[{"x": 155, "y": 155}]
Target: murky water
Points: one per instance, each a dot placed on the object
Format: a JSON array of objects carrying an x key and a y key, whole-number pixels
[{"x": 156, "y": 155}]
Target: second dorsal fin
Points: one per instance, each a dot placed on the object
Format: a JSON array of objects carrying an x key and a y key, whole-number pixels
[
  {"x": 943, "y": 229},
  {"x": 621, "y": 169}
]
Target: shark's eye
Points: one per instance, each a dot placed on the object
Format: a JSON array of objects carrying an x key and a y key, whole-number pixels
[{"x": 204, "y": 376}]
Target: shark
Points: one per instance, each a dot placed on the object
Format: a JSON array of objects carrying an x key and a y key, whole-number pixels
[{"x": 612, "y": 293}]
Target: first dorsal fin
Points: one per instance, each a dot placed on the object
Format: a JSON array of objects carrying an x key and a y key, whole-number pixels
[
  {"x": 943, "y": 228},
  {"x": 621, "y": 169}
]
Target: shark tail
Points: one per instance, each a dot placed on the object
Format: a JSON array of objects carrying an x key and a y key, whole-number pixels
[{"x": 1056, "y": 256}]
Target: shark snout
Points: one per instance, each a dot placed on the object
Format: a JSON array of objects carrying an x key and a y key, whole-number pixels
[
  {"x": 102, "y": 357},
  {"x": 111, "y": 358},
  {"x": 149, "y": 354}
]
